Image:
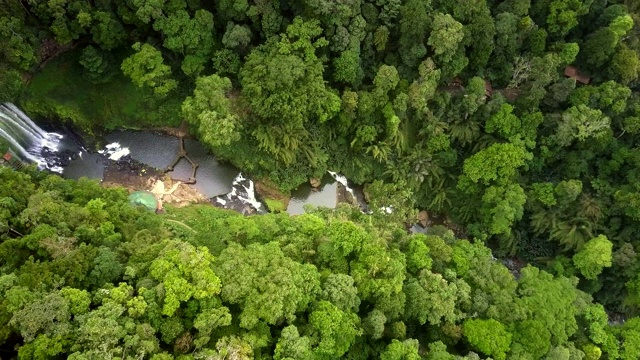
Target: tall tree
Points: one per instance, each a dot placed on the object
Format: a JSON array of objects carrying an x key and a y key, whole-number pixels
[
  {"x": 269, "y": 286},
  {"x": 146, "y": 68},
  {"x": 193, "y": 38},
  {"x": 282, "y": 82},
  {"x": 209, "y": 109},
  {"x": 594, "y": 257}
]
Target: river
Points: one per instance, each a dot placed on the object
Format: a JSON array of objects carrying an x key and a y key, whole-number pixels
[{"x": 62, "y": 152}]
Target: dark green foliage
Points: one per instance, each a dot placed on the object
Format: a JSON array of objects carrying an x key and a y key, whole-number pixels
[
  {"x": 459, "y": 108},
  {"x": 98, "y": 69}
]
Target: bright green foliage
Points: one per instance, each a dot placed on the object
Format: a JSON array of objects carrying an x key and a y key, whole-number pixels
[
  {"x": 190, "y": 37},
  {"x": 405, "y": 350},
  {"x": 152, "y": 9},
  {"x": 144, "y": 296},
  {"x": 430, "y": 298},
  {"x": 186, "y": 273},
  {"x": 146, "y": 68},
  {"x": 504, "y": 122},
  {"x": 292, "y": 346},
  {"x": 629, "y": 335},
  {"x": 594, "y": 257},
  {"x": 336, "y": 329},
  {"x": 549, "y": 301},
  {"x": 488, "y": 336},
  {"x": 347, "y": 67},
  {"x": 208, "y": 320},
  {"x": 209, "y": 110},
  {"x": 502, "y": 206},
  {"x": 563, "y": 15},
  {"x": 438, "y": 351},
  {"x": 447, "y": 33},
  {"x": 390, "y": 201},
  {"x": 497, "y": 162},
  {"x": 625, "y": 65},
  {"x": 418, "y": 255},
  {"x": 530, "y": 338},
  {"x": 378, "y": 272},
  {"x": 423, "y": 89},
  {"x": 67, "y": 19},
  {"x": 269, "y": 286}
]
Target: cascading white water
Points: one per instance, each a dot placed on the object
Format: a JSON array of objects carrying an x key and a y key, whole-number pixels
[
  {"x": 26, "y": 138},
  {"x": 342, "y": 180}
]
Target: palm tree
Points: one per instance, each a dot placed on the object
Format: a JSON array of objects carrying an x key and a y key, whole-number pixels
[
  {"x": 464, "y": 131},
  {"x": 572, "y": 234}
]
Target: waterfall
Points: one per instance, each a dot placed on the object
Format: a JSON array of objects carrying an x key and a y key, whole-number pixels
[{"x": 25, "y": 138}]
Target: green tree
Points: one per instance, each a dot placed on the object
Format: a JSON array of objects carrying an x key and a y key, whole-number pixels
[
  {"x": 283, "y": 84},
  {"x": 339, "y": 290},
  {"x": 12, "y": 85},
  {"x": 336, "y": 329},
  {"x": 236, "y": 36},
  {"x": 581, "y": 123},
  {"x": 414, "y": 25},
  {"x": 269, "y": 286},
  {"x": 17, "y": 40},
  {"x": 405, "y": 350},
  {"x": 502, "y": 207},
  {"x": 594, "y": 257},
  {"x": 530, "y": 338},
  {"x": 191, "y": 37},
  {"x": 96, "y": 64},
  {"x": 504, "y": 122},
  {"x": 379, "y": 275},
  {"x": 625, "y": 65},
  {"x": 373, "y": 324},
  {"x": 551, "y": 301},
  {"x": 497, "y": 162},
  {"x": 186, "y": 273},
  {"x": 430, "y": 298},
  {"x": 599, "y": 46},
  {"x": 488, "y": 336},
  {"x": 563, "y": 15},
  {"x": 146, "y": 68},
  {"x": 479, "y": 39},
  {"x": 446, "y": 36},
  {"x": 209, "y": 110},
  {"x": 347, "y": 67},
  {"x": 107, "y": 31},
  {"x": 293, "y": 346}
]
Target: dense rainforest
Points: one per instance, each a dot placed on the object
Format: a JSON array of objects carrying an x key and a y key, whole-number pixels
[
  {"x": 84, "y": 275},
  {"x": 518, "y": 120}
]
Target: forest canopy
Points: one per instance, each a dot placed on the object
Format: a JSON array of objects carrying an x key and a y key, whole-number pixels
[
  {"x": 85, "y": 275},
  {"x": 517, "y": 121}
]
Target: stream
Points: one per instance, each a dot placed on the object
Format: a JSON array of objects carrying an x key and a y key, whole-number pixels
[{"x": 61, "y": 152}]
